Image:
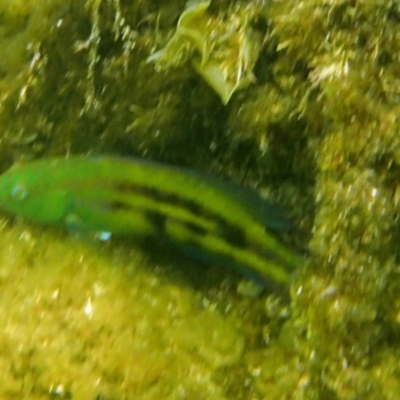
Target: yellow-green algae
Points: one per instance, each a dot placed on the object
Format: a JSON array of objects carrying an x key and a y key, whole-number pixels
[
  {"x": 75, "y": 327},
  {"x": 319, "y": 127}
]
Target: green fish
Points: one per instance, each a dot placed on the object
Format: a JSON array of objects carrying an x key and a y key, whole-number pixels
[{"x": 221, "y": 221}]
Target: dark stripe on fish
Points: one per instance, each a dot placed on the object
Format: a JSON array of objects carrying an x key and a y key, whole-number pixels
[{"x": 231, "y": 233}]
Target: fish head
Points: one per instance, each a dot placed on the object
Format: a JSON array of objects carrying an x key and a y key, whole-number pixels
[{"x": 30, "y": 191}]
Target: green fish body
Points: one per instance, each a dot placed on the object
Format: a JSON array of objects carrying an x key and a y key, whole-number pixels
[{"x": 136, "y": 197}]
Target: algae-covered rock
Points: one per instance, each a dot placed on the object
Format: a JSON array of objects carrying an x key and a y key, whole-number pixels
[
  {"x": 78, "y": 323},
  {"x": 349, "y": 293}
]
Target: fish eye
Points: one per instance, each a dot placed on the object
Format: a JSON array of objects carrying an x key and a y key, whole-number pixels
[{"x": 19, "y": 192}]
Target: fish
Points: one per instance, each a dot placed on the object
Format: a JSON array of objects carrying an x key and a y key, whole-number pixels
[{"x": 221, "y": 220}]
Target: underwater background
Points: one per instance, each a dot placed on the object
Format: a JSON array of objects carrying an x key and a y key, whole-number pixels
[{"x": 299, "y": 99}]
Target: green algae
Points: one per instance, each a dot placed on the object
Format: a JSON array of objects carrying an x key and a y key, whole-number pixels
[
  {"x": 319, "y": 127},
  {"x": 84, "y": 324}
]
